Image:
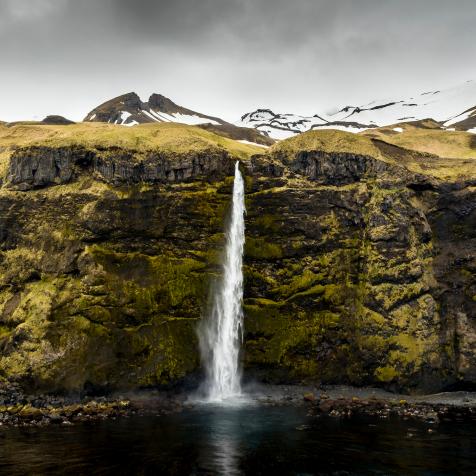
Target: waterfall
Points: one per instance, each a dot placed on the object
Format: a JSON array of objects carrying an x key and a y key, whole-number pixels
[{"x": 221, "y": 334}]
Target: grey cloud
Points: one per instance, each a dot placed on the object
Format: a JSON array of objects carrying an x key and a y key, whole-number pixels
[{"x": 227, "y": 56}]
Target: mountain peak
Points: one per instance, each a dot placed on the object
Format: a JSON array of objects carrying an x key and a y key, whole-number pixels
[
  {"x": 162, "y": 103},
  {"x": 128, "y": 109},
  {"x": 131, "y": 99}
]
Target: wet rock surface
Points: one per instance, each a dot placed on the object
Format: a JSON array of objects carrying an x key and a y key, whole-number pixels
[
  {"x": 18, "y": 408},
  {"x": 344, "y": 402}
]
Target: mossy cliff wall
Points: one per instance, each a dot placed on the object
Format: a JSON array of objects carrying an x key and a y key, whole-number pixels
[
  {"x": 104, "y": 277},
  {"x": 357, "y": 271}
]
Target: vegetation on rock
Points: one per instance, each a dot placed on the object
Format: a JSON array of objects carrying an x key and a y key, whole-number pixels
[{"x": 359, "y": 264}]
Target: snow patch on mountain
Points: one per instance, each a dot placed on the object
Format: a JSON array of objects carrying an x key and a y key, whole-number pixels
[
  {"x": 130, "y": 109},
  {"x": 190, "y": 119},
  {"x": 253, "y": 143},
  {"x": 460, "y": 117},
  {"x": 450, "y": 107},
  {"x": 437, "y": 105}
]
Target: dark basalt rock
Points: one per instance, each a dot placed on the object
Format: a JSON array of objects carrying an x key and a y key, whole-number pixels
[
  {"x": 35, "y": 167},
  {"x": 260, "y": 165},
  {"x": 339, "y": 168},
  {"x": 57, "y": 120},
  {"x": 40, "y": 166}
]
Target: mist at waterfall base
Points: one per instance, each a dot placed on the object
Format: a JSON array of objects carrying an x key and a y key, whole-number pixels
[{"x": 221, "y": 331}]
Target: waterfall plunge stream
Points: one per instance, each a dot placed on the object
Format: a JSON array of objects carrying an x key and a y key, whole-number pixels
[{"x": 221, "y": 334}]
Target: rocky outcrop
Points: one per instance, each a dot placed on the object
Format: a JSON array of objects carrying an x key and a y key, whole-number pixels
[
  {"x": 35, "y": 167},
  {"x": 337, "y": 168},
  {"x": 101, "y": 288},
  {"x": 41, "y": 166},
  {"x": 57, "y": 120},
  {"x": 356, "y": 270}
]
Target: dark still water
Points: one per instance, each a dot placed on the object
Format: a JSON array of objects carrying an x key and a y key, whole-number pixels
[{"x": 246, "y": 440}]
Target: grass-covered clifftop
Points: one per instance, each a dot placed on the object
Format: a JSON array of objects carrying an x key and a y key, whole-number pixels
[
  {"x": 327, "y": 141},
  {"x": 428, "y": 137},
  {"x": 426, "y": 148},
  {"x": 164, "y": 137},
  {"x": 430, "y": 150}
]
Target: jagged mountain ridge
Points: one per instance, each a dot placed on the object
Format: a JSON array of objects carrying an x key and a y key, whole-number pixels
[
  {"x": 453, "y": 109},
  {"x": 129, "y": 110}
]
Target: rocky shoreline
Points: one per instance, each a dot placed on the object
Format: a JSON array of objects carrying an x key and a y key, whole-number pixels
[
  {"x": 18, "y": 409},
  {"x": 345, "y": 402},
  {"x": 425, "y": 411}
]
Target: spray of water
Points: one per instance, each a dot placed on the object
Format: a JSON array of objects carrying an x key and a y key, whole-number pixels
[{"x": 221, "y": 334}]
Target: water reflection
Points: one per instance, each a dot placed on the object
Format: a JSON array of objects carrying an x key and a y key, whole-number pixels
[
  {"x": 224, "y": 449},
  {"x": 220, "y": 451},
  {"x": 249, "y": 439}
]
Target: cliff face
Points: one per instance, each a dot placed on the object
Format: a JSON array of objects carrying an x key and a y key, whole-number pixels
[
  {"x": 347, "y": 290},
  {"x": 357, "y": 270},
  {"x": 102, "y": 284}
]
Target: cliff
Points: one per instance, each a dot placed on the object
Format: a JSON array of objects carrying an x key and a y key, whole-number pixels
[{"x": 359, "y": 264}]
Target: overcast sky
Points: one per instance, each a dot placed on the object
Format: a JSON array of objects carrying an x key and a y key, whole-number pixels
[{"x": 228, "y": 57}]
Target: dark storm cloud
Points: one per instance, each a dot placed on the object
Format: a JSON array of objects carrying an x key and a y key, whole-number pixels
[
  {"x": 227, "y": 56},
  {"x": 238, "y": 23}
]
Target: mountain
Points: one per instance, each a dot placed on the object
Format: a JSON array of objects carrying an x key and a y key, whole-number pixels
[
  {"x": 452, "y": 109},
  {"x": 130, "y": 110}
]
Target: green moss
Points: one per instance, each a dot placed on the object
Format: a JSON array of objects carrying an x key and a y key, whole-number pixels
[
  {"x": 206, "y": 205},
  {"x": 314, "y": 291},
  {"x": 165, "y": 350},
  {"x": 385, "y": 374},
  {"x": 153, "y": 284},
  {"x": 259, "y": 278},
  {"x": 267, "y": 223},
  {"x": 261, "y": 248},
  {"x": 389, "y": 295},
  {"x": 298, "y": 283},
  {"x": 410, "y": 350}
]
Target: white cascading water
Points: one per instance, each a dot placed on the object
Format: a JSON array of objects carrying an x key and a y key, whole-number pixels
[{"x": 221, "y": 334}]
